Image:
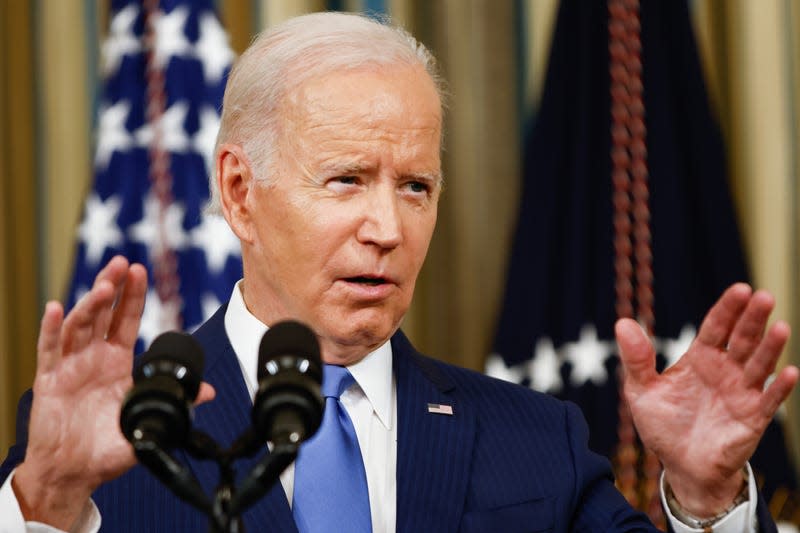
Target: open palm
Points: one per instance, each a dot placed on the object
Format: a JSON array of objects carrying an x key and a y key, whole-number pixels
[
  {"x": 83, "y": 372},
  {"x": 704, "y": 416}
]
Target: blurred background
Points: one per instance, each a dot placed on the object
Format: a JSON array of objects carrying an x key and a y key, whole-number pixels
[{"x": 520, "y": 279}]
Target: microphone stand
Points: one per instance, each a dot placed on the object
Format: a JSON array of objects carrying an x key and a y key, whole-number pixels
[
  {"x": 287, "y": 408},
  {"x": 224, "y": 512}
]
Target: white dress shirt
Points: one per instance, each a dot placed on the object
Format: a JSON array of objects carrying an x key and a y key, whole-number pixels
[
  {"x": 12, "y": 521},
  {"x": 372, "y": 405}
]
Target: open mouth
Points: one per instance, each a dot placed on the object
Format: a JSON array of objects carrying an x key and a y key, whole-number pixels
[{"x": 366, "y": 280}]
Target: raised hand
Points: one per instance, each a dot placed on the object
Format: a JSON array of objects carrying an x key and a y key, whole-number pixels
[
  {"x": 704, "y": 416},
  {"x": 83, "y": 371}
]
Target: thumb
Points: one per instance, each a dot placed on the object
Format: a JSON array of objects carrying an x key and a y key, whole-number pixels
[
  {"x": 205, "y": 394},
  {"x": 636, "y": 352}
]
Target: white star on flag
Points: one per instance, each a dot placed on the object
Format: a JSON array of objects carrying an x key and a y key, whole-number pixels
[
  {"x": 588, "y": 357},
  {"x": 170, "y": 37},
  {"x": 157, "y": 231},
  {"x": 545, "y": 367},
  {"x": 121, "y": 40},
  {"x": 203, "y": 141},
  {"x": 212, "y": 48},
  {"x": 112, "y": 135},
  {"x": 99, "y": 229},
  {"x": 173, "y": 136},
  {"x": 497, "y": 368},
  {"x": 217, "y": 240},
  {"x": 158, "y": 317},
  {"x": 673, "y": 349}
]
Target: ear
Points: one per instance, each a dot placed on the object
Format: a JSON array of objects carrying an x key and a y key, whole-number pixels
[{"x": 235, "y": 183}]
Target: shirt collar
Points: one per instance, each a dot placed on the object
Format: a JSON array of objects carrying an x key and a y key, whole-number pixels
[
  {"x": 373, "y": 373},
  {"x": 244, "y": 331}
]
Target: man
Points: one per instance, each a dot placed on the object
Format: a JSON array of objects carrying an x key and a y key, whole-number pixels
[{"x": 328, "y": 171}]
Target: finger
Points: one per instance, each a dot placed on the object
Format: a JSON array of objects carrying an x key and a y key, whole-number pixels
[
  {"x": 103, "y": 313},
  {"x": 205, "y": 394},
  {"x": 749, "y": 329},
  {"x": 124, "y": 327},
  {"x": 79, "y": 323},
  {"x": 48, "y": 346},
  {"x": 778, "y": 391},
  {"x": 636, "y": 352},
  {"x": 115, "y": 271},
  {"x": 762, "y": 363},
  {"x": 112, "y": 273},
  {"x": 721, "y": 318}
]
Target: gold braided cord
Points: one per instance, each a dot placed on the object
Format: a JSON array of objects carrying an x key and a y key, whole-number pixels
[
  {"x": 163, "y": 259},
  {"x": 637, "y": 469}
]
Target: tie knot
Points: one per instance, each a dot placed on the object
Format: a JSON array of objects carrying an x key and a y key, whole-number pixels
[{"x": 335, "y": 380}]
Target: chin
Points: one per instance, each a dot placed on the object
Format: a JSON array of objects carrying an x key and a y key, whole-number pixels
[
  {"x": 357, "y": 339},
  {"x": 367, "y": 335}
]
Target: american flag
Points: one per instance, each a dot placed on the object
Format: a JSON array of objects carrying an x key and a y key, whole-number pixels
[
  {"x": 555, "y": 332},
  {"x": 440, "y": 409},
  {"x": 164, "y": 71}
]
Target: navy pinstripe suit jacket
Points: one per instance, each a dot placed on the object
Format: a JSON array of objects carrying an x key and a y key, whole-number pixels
[{"x": 507, "y": 460}]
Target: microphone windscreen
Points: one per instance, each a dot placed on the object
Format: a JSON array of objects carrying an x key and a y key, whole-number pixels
[
  {"x": 178, "y": 347},
  {"x": 288, "y": 338},
  {"x": 166, "y": 382}
]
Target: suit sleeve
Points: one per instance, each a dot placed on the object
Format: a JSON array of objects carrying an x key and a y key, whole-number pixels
[
  {"x": 17, "y": 452},
  {"x": 597, "y": 504}
]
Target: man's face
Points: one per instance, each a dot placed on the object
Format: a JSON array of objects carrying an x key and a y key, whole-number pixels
[{"x": 338, "y": 237}]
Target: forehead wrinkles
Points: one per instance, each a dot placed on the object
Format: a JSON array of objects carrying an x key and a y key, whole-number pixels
[
  {"x": 381, "y": 116},
  {"x": 363, "y": 149},
  {"x": 386, "y": 112},
  {"x": 349, "y": 143}
]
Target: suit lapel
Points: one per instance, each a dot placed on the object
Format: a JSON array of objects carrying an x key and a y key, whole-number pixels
[
  {"x": 433, "y": 450},
  {"x": 225, "y": 418}
]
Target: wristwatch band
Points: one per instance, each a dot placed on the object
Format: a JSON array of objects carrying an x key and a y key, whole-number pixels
[{"x": 706, "y": 524}]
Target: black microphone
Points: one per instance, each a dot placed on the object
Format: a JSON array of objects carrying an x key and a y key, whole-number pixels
[
  {"x": 156, "y": 414},
  {"x": 288, "y": 406},
  {"x": 159, "y": 406}
]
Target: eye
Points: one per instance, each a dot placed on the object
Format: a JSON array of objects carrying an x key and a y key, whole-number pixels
[
  {"x": 343, "y": 184},
  {"x": 418, "y": 187}
]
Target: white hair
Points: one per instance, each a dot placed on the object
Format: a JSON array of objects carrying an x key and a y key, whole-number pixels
[{"x": 284, "y": 57}]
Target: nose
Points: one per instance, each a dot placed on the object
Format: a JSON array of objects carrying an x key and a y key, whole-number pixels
[{"x": 382, "y": 223}]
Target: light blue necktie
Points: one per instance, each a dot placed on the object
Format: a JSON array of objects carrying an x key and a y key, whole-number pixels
[{"x": 330, "y": 484}]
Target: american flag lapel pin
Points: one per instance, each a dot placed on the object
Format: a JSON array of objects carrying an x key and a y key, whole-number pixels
[{"x": 440, "y": 409}]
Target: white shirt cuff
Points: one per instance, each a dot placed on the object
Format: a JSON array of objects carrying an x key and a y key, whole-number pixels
[
  {"x": 12, "y": 521},
  {"x": 742, "y": 519}
]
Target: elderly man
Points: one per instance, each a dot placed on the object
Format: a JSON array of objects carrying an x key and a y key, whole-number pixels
[{"x": 328, "y": 171}]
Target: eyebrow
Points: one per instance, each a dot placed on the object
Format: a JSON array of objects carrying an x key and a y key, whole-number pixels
[
  {"x": 357, "y": 167},
  {"x": 435, "y": 177},
  {"x": 354, "y": 167}
]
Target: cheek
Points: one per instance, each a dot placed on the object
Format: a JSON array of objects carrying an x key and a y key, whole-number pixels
[
  {"x": 317, "y": 240},
  {"x": 297, "y": 221},
  {"x": 421, "y": 234},
  {"x": 284, "y": 239}
]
